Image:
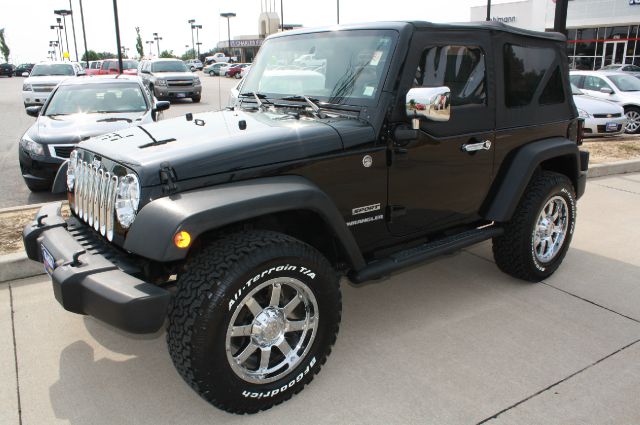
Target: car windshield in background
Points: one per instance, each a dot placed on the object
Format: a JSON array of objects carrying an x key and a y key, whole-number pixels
[
  {"x": 575, "y": 90},
  {"x": 52, "y": 69},
  {"x": 311, "y": 65},
  {"x": 169, "y": 66},
  {"x": 97, "y": 98},
  {"x": 126, "y": 64},
  {"x": 625, "y": 82}
]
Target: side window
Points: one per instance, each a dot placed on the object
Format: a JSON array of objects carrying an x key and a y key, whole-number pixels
[
  {"x": 595, "y": 83},
  {"x": 461, "y": 68},
  {"x": 524, "y": 71},
  {"x": 576, "y": 80}
]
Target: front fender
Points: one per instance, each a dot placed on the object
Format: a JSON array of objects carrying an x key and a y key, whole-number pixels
[{"x": 201, "y": 210}]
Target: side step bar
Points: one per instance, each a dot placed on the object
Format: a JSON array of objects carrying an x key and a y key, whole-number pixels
[{"x": 379, "y": 268}]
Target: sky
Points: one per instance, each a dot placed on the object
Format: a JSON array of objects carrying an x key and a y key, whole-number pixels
[{"x": 27, "y": 23}]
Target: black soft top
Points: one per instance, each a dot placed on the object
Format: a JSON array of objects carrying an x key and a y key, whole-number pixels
[{"x": 403, "y": 25}]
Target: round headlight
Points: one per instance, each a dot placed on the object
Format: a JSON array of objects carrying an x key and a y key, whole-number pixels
[
  {"x": 127, "y": 199},
  {"x": 71, "y": 170}
]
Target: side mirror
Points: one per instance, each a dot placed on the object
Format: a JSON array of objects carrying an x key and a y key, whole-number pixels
[
  {"x": 606, "y": 90},
  {"x": 25, "y": 74},
  {"x": 33, "y": 111},
  {"x": 162, "y": 105},
  {"x": 432, "y": 103}
]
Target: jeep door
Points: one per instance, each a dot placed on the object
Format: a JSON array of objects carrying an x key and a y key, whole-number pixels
[{"x": 434, "y": 182}]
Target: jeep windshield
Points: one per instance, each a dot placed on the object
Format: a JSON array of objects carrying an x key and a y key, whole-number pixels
[
  {"x": 169, "y": 66},
  {"x": 339, "y": 67}
]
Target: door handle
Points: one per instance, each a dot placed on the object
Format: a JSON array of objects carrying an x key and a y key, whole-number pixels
[{"x": 473, "y": 147}]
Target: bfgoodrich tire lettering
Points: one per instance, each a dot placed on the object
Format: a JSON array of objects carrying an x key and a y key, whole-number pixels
[
  {"x": 213, "y": 291},
  {"x": 518, "y": 251}
]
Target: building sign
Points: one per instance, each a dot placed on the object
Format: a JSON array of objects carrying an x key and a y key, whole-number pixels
[
  {"x": 506, "y": 19},
  {"x": 241, "y": 43}
]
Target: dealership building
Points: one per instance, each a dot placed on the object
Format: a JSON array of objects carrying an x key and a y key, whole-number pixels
[{"x": 600, "y": 32}]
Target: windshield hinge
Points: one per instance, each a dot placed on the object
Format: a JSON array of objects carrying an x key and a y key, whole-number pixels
[{"x": 168, "y": 178}]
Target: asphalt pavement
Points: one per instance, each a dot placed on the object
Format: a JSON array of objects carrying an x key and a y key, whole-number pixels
[
  {"x": 453, "y": 341},
  {"x": 14, "y": 122}
]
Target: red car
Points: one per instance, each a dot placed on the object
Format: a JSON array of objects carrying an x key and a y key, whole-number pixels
[
  {"x": 235, "y": 70},
  {"x": 110, "y": 66}
]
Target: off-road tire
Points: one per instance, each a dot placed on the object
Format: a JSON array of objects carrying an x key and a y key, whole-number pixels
[
  {"x": 196, "y": 99},
  {"x": 513, "y": 251},
  {"x": 215, "y": 281}
]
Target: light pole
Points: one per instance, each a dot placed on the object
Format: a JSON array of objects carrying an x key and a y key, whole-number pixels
[
  {"x": 281, "y": 16},
  {"x": 193, "y": 44},
  {"x": 59, "y": 42},
  {"x": 198, "y": 28},
  {"x": 64, "y": 13},
  {"x": 119, "y": 48},
  {"x": 157, "y": 39},
  {"x": 228, "y": 15},
  {"x": 54, "y": 44},
  {"x": 488, "y": 10},
  {"x": 84, "y": 35},
  {"x": 338, "y": 11},
  {"x": 150, "y": 42}
]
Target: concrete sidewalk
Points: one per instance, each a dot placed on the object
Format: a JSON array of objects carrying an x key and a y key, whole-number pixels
[{"x": 452, "y": 341}]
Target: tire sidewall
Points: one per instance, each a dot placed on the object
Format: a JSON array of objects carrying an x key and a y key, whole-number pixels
[
  {"x": 209, "y": 336},
  {"x": 546, "y": 269}
]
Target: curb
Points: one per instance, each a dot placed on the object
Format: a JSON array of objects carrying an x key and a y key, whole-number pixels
[
  {"x": 619, "y": 167},
  {"x": 18, "y": 266}
]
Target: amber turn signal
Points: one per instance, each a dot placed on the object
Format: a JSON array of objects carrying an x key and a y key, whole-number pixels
[{"x": 182, "y": 239}]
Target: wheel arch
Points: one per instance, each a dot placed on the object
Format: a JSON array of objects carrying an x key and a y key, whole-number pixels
[
  {"x": 560, "y": 155},
  {"x": 289, "y": 204}
]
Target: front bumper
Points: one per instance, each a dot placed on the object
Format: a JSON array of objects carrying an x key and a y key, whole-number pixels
[
  {"x": 38, "y": 168},
  {"x": 86, "y": 280},
  {"x": 598, "y": 126},
  {"x": 34, "y": 98},
  {"x": 177, "y": 92}
]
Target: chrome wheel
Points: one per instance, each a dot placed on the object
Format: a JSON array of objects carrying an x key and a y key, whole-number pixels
[
  {"x": 272, "y": 330},
  {"x": 551, "y": 229},
  {"x": 633, "y": 121}
]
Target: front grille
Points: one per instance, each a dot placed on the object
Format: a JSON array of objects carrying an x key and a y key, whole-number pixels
[
  {"x": 94, "y": 197},
  {"x": 618, "y": 115},
  {"x": 43, "y": 88},
  {"x": 603, "y": 128},
  {"x": 62, "y": 151},
  {"x": 179, "y": 83}
]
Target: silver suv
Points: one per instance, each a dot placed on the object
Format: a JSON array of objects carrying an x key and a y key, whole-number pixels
[{"x": 170, "y": 79}]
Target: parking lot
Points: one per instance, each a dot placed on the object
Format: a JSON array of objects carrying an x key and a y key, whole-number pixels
[
  {"x": 15, "y": 122},
  {"x": 452, "y": 341}
]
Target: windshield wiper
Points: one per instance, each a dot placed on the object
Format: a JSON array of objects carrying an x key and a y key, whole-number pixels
[
  {"x": 113, "y": 119},
  {"x": 310, "y": 101},
  {"x": 259, "y": 97}
]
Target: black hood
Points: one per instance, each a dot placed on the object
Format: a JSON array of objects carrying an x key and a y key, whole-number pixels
[
  {"x": 77, "y": 127},
  {"x": 215, "y": 142}
]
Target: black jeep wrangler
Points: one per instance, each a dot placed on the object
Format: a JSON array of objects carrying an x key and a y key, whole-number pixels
[{"x": 389, "y": 144}]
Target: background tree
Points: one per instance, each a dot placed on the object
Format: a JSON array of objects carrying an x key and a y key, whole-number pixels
[
  {"x": 189, "y": 54},
  {"x": 139, "y": 46},
  {"x": 4, "y": 49},
  {"x": 167, "y": 54},
  {"x": 96, "y": 56}
]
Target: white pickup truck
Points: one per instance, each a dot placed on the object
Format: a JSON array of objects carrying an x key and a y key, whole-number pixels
[{"x": 220, "y": 57}]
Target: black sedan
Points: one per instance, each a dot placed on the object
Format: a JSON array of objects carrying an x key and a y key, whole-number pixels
[
  {"x": 7, "y": 69},
  {"x": 22, "y": 68},
  {"x": 78, "y": 109}
]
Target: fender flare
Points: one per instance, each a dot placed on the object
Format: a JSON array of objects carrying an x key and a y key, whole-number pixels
[
  {"x": 201, "y": 210},
  {"x": 60, "y": 181},
  {"x": 514, "y": 179}
]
